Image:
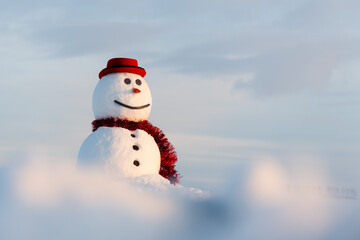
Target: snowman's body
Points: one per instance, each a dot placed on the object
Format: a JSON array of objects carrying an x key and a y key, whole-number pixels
[
  {"x": 123, "y": 95},
  {"x": 121, "y": 152}
]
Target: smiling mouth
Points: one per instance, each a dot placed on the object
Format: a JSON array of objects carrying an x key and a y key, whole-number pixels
[{"x": 127, "y": 106}]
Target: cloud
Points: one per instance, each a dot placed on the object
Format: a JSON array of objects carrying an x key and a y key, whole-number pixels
[
  {"x": 305, "y": 66},
  {"x": 280, "y": 63},
  {"x": 289, "y": 48},
  {"x": 77, "y": 39},
  {"x": 323, "y": 16}
]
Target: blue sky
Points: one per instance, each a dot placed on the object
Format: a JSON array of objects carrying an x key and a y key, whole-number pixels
[{"x": 266, "y": 77}]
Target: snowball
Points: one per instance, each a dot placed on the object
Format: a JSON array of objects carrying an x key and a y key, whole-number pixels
[
  {"x": 121, "y": 152},
  {"x": 120, "y": 87}
]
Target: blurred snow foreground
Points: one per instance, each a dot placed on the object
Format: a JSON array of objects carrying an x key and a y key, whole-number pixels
[{"x": 40, "y": 200}]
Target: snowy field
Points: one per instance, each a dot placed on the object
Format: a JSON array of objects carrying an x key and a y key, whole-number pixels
[{"x": 249, "y": 196}]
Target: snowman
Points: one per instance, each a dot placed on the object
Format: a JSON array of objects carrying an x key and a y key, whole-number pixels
[{"x": 123, "y": 142}]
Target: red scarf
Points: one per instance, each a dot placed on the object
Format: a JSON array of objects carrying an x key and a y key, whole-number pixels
[{"x": 167, "y": 151}]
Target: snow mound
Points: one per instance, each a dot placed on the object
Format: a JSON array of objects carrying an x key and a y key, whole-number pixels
[
  {"x": 156, "y": 183},
  {"x": 39, "y": 200}
]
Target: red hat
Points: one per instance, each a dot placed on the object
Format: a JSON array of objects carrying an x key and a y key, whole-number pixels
[{"x": 122, "y": 65}]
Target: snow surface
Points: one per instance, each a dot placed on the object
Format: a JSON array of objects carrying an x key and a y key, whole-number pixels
[
  {"x": 112, "y": 149},
  {"x": 44, "y": 200},
  {"x": 112, "y": 87}
]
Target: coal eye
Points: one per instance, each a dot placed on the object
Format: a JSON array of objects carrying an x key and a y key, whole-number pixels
[
  {"x": 136, "y": 163},
  {"x": 127, "y": 80},
  {"x": 138, "y": 82}
]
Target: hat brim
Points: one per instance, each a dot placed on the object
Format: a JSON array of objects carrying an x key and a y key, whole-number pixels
[{"x": 137, "y": 70}]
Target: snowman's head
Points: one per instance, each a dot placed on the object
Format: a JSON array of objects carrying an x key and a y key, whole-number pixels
[
  {"x": 122, "y": 92},
  {"x": 122, "y": 95}
]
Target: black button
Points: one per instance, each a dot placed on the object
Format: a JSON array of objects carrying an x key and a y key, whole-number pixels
[
  {"x": 136, "y": 163},
  {"x": 133, "y": 135},
  {"x": 138, "y": 82},
  {"x": 135, "y": 147}
]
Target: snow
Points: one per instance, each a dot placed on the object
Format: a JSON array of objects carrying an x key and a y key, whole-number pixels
[
  {"x": 118, "y": 151},
  {"x": 44, "y": 200},
  {"x": 157, "y": 184},
  {"x": 112, "y": 149},
  {"x": 112, "y": 87}
]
